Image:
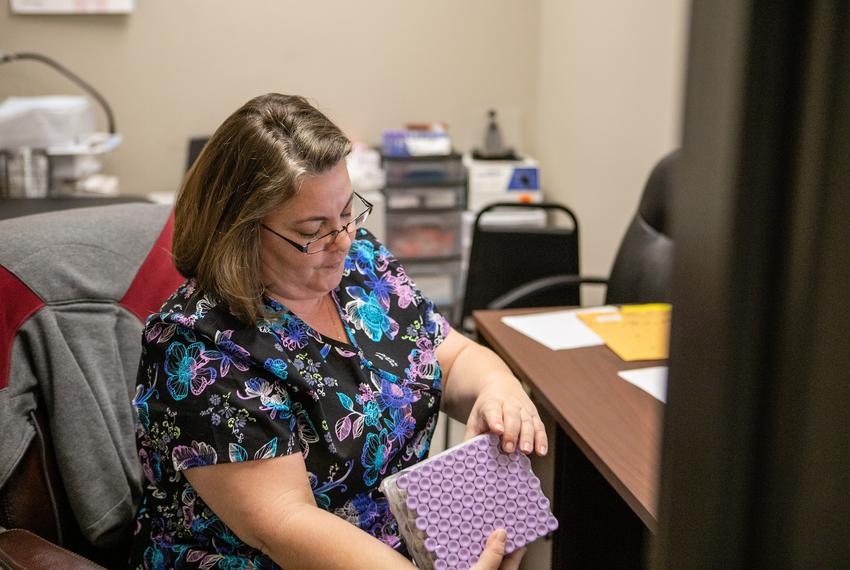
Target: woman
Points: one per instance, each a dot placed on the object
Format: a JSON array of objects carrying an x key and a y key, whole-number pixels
[{"x": 297, "y": 366}]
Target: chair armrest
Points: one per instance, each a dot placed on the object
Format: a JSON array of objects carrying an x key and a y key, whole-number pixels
[
  {"x": 20, "y": 549},
  {"x": 541, "y": 285}
]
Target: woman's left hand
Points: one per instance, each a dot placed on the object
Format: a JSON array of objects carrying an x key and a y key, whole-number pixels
[{"x": 504, "y": 408}]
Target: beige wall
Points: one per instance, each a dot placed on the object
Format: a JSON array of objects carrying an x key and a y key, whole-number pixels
[
  {"x": 593, "y": 89},
  {"x": 610, "y": 84},
  {"x": 174, "y": 69}
]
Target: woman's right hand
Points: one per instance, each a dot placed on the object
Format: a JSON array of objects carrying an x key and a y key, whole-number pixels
[{"x": 493, "y": 556}]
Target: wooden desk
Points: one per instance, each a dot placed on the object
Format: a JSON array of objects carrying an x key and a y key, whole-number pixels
[{"x": 614, "y": 425}]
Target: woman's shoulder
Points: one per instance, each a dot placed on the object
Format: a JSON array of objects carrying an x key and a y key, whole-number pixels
[
  {"x": 368, "y": 256},
  {"x": 196, "y": 319},
  {"x": 365, "y": 241},
  {"x": 189, "y": 307}
]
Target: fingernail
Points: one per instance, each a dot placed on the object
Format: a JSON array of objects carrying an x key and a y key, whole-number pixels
[
  {"x": 501, "y": 534},
  {"x": 500, "y": 427},
  {"x": 526, "y": 447},
  {"x": 542, "y": 450},
  {"x": 509, "y": 447}
]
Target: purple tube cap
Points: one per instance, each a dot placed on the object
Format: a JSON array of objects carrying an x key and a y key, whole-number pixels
[
  {"x": 431, "y": 544},
  {"x": 402, "y": 482}
]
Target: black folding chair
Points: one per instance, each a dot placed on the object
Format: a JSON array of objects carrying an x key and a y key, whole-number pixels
[{"x": 503, "y": 258}]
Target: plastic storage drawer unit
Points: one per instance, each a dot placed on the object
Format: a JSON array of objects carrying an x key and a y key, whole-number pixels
[
  {"x": 424, "y": 235},
  {"x": 426, "y": 197},
  {"x": 424, "y": 170}
]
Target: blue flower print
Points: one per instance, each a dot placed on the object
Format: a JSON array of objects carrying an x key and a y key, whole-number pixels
[
  {"x": 376, "y": 454},
  {"x": 372, "y": 412},
  {"x": 367, "y": 313},
  {"x": 272, "y": 397},
  {"x": 400, "y": 424},
  {"x": 395, "y": 395},
  {"x": 230, "y": 353},
  {"x": 435, "y": 324},
  {"x": 293, "y": 333},
  {"x": 362, "y": 255},
  {"x": 423, "y": 363},
  {"x": 186, "y": 369},
  {"x": 276, "y": 366},
  {"x": 373, "y": 515},
  {"x": 366, "y": 509},
  {"x": 348, "y": 266},
  {"x": 154, "y": 558},
  {"x": 381, "y": 286}
]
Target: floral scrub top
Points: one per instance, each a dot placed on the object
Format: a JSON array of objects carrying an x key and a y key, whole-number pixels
[{"x": 212, "y": 390}]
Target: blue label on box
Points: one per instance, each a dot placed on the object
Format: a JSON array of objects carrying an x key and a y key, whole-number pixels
[
  {"x": 393, "y": 144},
  {"x": 523, "y": 179}
]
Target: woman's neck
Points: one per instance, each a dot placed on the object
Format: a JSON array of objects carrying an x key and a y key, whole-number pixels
[
  {"x": 301, "y": 306},
  {"x": 320, "y": 313}
]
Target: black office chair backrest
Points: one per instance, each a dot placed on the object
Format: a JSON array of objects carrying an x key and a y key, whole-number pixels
[
  {"x": 196, "y": 145},
  {"x": 504, "y": 257},
  {"x": 643, "y": 265}
]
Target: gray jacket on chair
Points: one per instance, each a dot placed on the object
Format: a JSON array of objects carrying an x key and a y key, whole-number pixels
[{"x": 79, "y": 352}]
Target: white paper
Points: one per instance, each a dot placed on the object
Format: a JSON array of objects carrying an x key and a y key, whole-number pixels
[
  {"x": 559, "y": 330},
  {"x": 651, "y": 380}
]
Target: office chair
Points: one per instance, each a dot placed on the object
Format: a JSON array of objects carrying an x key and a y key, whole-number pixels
[
  {"x": 642, "y": 267},
  {"x": 75, "y": 288},
  {"x": 503, "y": 257},
  {"x": 196, "y": 145}
]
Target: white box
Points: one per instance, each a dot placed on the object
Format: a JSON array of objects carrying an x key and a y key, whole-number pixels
[{"x": 492, "y": 181}]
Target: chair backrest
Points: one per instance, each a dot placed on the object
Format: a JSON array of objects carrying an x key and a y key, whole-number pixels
[
  {"x": 504, "y": 257},
  {"x": 642, "y": 268},
  {"x": 196, "y": 145},
  {"x": 75, "y": 288}
]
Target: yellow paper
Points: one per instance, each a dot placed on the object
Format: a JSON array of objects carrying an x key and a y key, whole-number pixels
[{"x": 635, "y": 332}]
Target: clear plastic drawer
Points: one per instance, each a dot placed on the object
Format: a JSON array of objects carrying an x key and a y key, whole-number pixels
[
  {"x": 426, "y": 197},
  {"x": 424, "y": 235},
  {"x": 424, "y": 170}
]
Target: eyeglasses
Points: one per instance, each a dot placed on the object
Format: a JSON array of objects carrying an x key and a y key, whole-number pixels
[{"x": 324, "y": 242}]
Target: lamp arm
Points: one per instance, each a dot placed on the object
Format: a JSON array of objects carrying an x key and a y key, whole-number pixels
[{"x": 10, "y": 57}]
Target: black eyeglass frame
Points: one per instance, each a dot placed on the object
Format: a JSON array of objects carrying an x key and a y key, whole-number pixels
[{"x": 333, "y": 234}]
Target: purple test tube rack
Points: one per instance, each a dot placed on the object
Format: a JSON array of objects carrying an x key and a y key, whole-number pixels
[{"x": 448, "y": 505}]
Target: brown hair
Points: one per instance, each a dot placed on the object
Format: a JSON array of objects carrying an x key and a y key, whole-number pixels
[{"x": 253, "y": 163}]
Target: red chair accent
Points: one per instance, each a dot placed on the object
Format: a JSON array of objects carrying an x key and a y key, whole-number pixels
[
  {"x": 19, "y": 303},
  {"x": 146, "y": 295}
]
